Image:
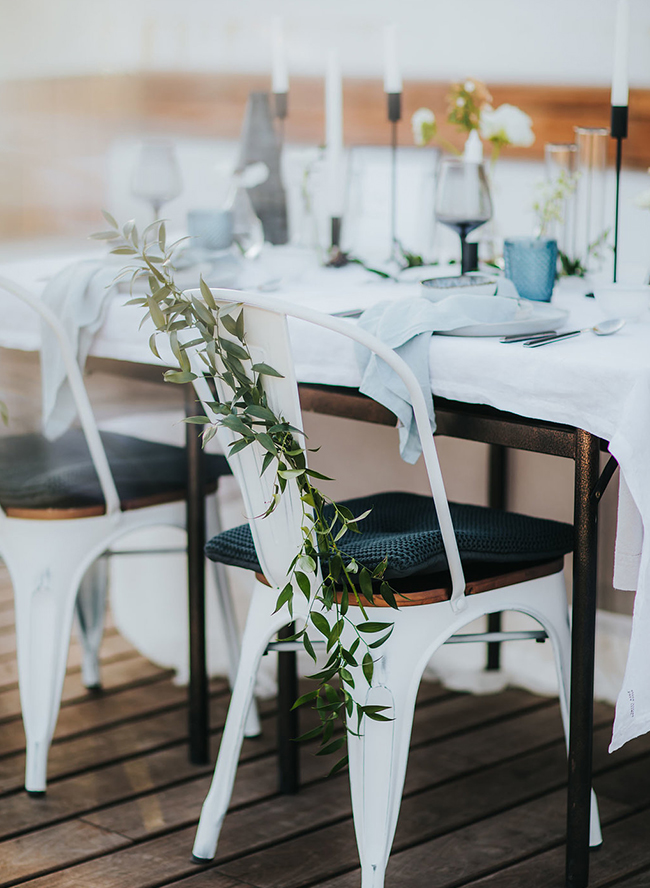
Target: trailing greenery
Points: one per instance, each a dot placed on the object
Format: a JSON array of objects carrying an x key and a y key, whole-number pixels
[{"x": 320, "y": 571}]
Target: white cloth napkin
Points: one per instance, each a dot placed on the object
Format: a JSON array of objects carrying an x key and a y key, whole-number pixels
[
  {"x": 78, "y": 296},
  {"x": 407, "y": 326}
]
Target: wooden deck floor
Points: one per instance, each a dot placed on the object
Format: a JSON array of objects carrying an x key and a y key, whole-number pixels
[{"x": 483, "y": 805}]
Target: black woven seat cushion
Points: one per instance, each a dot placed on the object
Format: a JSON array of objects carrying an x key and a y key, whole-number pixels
[
  {"x": 404, "y": 527},
  {"x": 39, "y": 474}
]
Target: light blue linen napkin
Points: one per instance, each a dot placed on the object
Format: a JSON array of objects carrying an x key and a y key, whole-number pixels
[
  {"x": 406, "y": 325},
  {"x": 78, "y": 297}
]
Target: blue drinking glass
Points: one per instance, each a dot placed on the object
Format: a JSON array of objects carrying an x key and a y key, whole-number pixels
[{"x": 531, "y": 265}]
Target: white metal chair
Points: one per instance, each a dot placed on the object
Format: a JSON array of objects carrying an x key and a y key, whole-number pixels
[
  {"x": 377, "y": 758},
  {"x": 99, "y": 487}
]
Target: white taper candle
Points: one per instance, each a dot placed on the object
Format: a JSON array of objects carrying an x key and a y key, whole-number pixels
[
  {"x": 620, "y": 89},
  {"x": 392, "y": 75},
  {"x": 279, "y": 71},
  {"x": 334, "y": 134}
]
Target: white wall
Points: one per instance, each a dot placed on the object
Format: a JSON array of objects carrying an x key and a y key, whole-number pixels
[{"x": 530, "y": 41}]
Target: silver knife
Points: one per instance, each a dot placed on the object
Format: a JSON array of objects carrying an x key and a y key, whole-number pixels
[
  {"x": 518, "y": 337},
  {"x": 535, "y": 343}
]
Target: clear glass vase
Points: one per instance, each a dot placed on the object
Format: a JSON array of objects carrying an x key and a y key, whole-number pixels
[
  {"x": 590, "y": 230},
  {"x": 561, "y": 161}
]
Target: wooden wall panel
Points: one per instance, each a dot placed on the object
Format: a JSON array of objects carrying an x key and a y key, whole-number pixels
[{"x": 54, "y": 133}]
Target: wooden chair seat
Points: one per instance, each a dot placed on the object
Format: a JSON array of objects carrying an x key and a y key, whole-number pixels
[{"x": 437, "y": 587}]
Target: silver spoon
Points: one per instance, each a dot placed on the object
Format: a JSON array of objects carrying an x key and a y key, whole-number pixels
[{"x": 605, "y": 328}]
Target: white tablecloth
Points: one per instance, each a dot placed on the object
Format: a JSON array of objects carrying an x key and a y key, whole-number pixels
[{"x": 599, "y": 384}]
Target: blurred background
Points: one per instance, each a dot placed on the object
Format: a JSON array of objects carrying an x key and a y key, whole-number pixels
[{"x": 83, "y": 81}]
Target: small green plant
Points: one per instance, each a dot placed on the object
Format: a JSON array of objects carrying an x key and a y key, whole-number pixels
[
  {"x": 550, "y": 203},
  {"x": 321, "y": 570}
]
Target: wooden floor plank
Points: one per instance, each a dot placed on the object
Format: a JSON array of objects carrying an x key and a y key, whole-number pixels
[
  {"x": 114, "y": 648},
  {"x": 611, "y": 862},
  {"x": 109, "y": 745},
  {"x": 51, "y": 848}
]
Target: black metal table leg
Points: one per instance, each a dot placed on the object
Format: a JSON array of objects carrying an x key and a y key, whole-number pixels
[
  {"x": 582, "y": 659},
  {"x": 288, "y": 730},
  {"x": 198, "y": 682},
  {"x": 497, "y": 499}
]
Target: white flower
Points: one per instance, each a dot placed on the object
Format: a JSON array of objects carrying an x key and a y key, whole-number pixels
[
  {"x": 507, "y": 125},
  {"x": 460, "y": 101},
  {"x": 469, "y": 86},
  {"x": 424, "y": 126}
]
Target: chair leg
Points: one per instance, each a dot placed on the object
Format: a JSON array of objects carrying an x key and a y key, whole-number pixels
[
  {"x": 45, "y": 597},
  {"x": 550, "y": 609},
  {"x": 378, "y": 757},
  {"x": 90, "y": 610},
  {"x": 260, "y": 627},
  {"x": 226, "y": 609}
]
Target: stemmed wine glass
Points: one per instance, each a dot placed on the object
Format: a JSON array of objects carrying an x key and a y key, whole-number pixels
[
  {"x": 157, "y": 176},
  {"x": 463, "y": 201}
]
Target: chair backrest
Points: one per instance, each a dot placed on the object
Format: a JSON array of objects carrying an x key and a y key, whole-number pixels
[
  {"x": 79, "y": 393},
  {"x": 278, "y": 536}
]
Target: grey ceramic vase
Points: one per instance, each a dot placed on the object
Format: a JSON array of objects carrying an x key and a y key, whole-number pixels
[{"x": 259, "y": 142}]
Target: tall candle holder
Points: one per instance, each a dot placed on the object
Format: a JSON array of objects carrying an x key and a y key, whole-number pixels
[
  {"x": 394, "y": 101},
  {"x": 618, "y": 131},
  {"x": 281, "y": 110}
]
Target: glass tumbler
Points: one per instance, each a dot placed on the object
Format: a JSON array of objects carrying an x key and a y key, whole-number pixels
[{"x": 531, "y": 263}]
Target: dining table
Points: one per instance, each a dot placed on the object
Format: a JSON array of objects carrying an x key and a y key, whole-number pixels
[{"x": 574, "y": 399}]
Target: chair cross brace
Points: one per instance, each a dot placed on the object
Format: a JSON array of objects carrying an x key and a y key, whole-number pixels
[{"x": 537, "y": 635}]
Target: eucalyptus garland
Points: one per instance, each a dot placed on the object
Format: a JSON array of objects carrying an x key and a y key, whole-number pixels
[{"x": 220, "y": 340}]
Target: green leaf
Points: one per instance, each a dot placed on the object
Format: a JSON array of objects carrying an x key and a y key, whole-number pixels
[
  {"x": 334, "y": 746},
  {"x": 197, "y": 420},
  {"x": 285, "y": 596},
  {"x": 373, "y": 627},
  {"x": 124, "y": 251},
  {"x": 178, "y": 376},
  {"x": 266, "y": 462},
  {"x": 308, "y": 646},
  {"x": 111, "y": 221},
  {"x": 233, "y": 349},
  {"x": 290, "y": 473},
  {"x": 305, "y": 587},
  {"x": 236, "y": 446},
  {"x": 342, "y": 763},
  {"x": 368, "y": 666},
  {"x": 320, "y": 622},
  {"x": 306, "y": 698},
  {"x": 153, "y": 346},
  {"x": 310, "y": 735},
  {"x": 204, "y": 313},
  {"x": 374, "y": 712},
  {"x": 380, "y": 641},
  {"x": 265, "y": 370},
  {"x": 314, "y": 474},
  {"x": 388, "y": 595},
  {"x": 260, "y": 412},
  {"x": 206, "y": 292},
  {"x": 365, "y": 582},
  {"x": 267, "y": 443},
  {"x": 105, "y": 235}
]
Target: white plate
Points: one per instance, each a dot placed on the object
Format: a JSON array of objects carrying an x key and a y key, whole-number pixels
[{"x": 531, "y": 317}]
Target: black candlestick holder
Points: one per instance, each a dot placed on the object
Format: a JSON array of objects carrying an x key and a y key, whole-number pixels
[
  {"x": 618, "y": 131},
  {"x": 394, "y": 101},
  {"x": 336, "y": 232}
]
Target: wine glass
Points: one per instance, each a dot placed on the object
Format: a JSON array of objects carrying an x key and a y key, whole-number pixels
[
  {"x": 157, "y": 176},
  {"x": 463, "y": 201}
]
